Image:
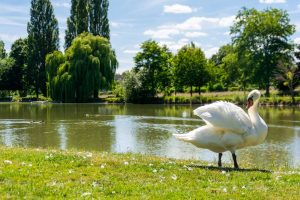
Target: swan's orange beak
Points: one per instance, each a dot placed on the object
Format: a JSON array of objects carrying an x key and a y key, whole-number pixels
[{"x": 249, "y": 103}]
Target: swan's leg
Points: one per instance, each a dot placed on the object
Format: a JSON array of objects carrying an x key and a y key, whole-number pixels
[
  {"x": 234, "y": 161},
  {"x": 220, "y": 161}
]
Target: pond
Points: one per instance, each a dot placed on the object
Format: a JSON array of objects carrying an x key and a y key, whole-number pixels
[{"x": 143, "y": 129}]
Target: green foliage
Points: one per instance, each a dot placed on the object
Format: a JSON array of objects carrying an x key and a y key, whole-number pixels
[
  {"x": 42, "y": 39},
  {"x": 190, "y": 67},
  {"x": 7, "y": 74},
  {"x": 136, "y": 86},
  {"x": 2, "y": 50},
  {"x": 87, "y": 16},
  {"x": 87, "y": 66},
  {"x": 81, "y": 14},
  {"x": 71, "y": 32},
  {"x": 155, "y": 63},
  {"x": 261, "y": 38},
  {"x": 19, "y": 52},
  {"x": 98, "y": 14}
]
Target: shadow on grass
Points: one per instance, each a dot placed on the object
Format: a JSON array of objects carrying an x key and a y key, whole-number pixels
[{"x": 229, "y": 169}]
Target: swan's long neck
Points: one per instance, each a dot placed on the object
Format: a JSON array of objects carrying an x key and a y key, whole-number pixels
[{"x": 260, "y": 128}]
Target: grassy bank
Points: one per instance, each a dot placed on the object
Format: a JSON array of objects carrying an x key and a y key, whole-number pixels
[{"x": 34, "y": 173}]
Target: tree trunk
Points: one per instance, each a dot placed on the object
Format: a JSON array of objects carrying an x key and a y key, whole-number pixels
[
  {"x": 268, "y": 89},
  {"x": 191, "y": 90},
  {"x": 293, "y": 96},
  {"x": 199, "y": 90},
  {"x": 95, "y": 94}
]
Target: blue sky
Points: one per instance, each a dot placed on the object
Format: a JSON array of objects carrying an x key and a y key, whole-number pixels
[{"x": 171, "y": 22}]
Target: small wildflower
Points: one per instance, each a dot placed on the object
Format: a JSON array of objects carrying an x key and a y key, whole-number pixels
[
  {"x": 189, "y": 168},
  {"x": 102, "y": 166},
  {"x": 224, "y": 190},
  {"x": 113, "y": 192},
  {"x": 244, "y": 187},
  {"x": 223, "y": 172},
  {"x": 8, "y": 162},
  {"x": 161, "y": 170},
  {"x": 23, "y": 163},
  {"x": 154, "y": 171},
  {"x": 70, "y": 171},
  {"x": 94, "y": 184},
  {"x": 174, "y": 177},
  {"x": 126, "y": 163},
  {"x": 89, "y": 155},
  {"x": 86, "y": 194},
  {"x": 29, "y": 165},
  {"x": 150, "y": 164}
]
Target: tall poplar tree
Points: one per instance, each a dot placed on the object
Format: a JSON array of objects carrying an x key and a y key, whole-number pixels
[
  {"x": 43, "y": 38},
  {"x": 82, "y": 16},
  {"x": 99, "y": 23},
  {"x": 87, "y": 16},
  {"x": 71, "y": 32}
]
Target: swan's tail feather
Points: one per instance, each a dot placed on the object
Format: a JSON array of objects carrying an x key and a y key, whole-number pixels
[{"x": 183, "y": 137}]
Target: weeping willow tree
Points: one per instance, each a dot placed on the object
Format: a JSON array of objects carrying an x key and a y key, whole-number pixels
[{"x": 88, "y": 66}]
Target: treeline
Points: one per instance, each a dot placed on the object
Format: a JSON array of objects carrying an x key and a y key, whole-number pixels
[
  {"x": 34, "y": 65},
  {"x": 261, "y": 54}
]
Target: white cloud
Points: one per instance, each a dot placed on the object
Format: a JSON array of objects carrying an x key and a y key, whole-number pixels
[
  {"x": 197, "y": 23},
  {"x": 10, "y": 38},
  {"x": 176, "y": 45},
  {"x": 161, "y": 33},
  {"x": 272, "y": 1},
  {"x": 297, "y": 40},
  {"x": 115, "y": 24},
  {"x": 130, "y": 51},
  {"x": 211, "y": 51},
  {"x": 61, "y": 3},
  {"x": 13, "y": 21},
  {"x": 189, "y": 28},
  {"x": 178, "y": 9},
  {"x": 195, "y": 34}
]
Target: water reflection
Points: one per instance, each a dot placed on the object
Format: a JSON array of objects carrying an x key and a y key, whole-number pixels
[{"x": 139, "y": 128}]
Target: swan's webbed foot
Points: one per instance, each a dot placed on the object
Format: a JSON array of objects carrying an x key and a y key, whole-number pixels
[
  {"x": 220, "y": 161},
  {"x": 236, "y": 166}
]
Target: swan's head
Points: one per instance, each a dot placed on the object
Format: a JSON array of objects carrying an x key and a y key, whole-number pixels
[{"x": 253, "y": 98}]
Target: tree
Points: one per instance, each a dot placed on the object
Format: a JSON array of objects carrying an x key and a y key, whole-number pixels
[
  {"x": 7, "y": 74},
  {"x": 288, "y": 75},
  {"x": 87, "y": 66},
  {"x": 2, "y": 50},
  {"x": 42, "y": 39},
  {"x": 99, "y": 23},
  {"x": 82, "y": 22},
  {"x": 226, "y": 69},
  {"x": 156, "y": 61},
  {"x": 87, "y": 16},
  {"x": 190, "y": 67},
  {"x": 263, "y": 38},
  {"x": 71, "y": 31},
  {"x": 19, "y": 53}
]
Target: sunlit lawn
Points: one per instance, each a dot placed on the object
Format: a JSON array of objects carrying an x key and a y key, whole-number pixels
[{"x": 34, "y": 173}]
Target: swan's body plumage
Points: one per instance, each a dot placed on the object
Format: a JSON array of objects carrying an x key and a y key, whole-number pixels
[{"x": 228, "y": 127}]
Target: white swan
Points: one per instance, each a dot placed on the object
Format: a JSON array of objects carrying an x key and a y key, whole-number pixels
[{"x": 228, "y": 127}]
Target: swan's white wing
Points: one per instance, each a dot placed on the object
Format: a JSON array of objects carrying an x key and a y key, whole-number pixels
[{"x": 226, "y": 116}]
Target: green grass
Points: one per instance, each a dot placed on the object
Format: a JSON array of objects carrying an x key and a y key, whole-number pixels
[{"x": 53, "y": 174}]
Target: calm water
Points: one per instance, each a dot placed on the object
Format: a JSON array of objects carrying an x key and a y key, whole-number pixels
[{"x": 139, "y": 128}]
